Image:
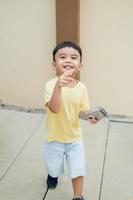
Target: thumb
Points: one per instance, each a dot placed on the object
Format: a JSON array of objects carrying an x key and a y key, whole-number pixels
[{"x": 69, "y": 73}]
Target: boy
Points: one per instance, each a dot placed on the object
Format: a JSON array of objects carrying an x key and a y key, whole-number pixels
[{"x": 65, "y": 99}]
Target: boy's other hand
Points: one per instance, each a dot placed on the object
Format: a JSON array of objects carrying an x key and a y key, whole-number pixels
[{"x": 93, "y": 120}]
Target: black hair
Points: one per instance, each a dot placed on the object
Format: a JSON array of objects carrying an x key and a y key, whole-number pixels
[{"x": 67, "y": 44}]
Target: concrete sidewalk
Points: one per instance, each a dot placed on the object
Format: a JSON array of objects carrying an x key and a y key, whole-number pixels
[{"x": 109, "y": 147}]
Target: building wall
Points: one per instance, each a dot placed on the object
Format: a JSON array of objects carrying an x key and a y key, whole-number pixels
[
  {"x": 106, "y": 36},
  {"x": 27, "y": 36}
]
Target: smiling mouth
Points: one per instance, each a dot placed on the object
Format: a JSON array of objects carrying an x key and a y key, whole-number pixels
[{"x": 68, "y": 67}]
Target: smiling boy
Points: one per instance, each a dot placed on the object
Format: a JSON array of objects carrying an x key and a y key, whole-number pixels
[{"x": 65, "y": 99}]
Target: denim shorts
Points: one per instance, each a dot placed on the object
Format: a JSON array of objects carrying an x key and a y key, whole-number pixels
[{"x": 56, "y": 153}]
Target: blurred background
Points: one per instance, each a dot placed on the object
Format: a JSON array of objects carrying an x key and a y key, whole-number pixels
[{"x": 28, "y": 34}]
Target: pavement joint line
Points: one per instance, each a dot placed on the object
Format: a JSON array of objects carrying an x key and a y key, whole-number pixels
[
  {"x": 105, "y": 151},
  {"x": 104, "y": 160},
  {"x": 120, "y": 121},
  {"x": 20, "y": 150},
  {"x": 22, "y": 108}
]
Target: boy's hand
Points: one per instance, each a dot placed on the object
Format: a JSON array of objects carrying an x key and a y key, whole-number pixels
[
  {"x": 93, "y": 115},
  {"x": 65, "y": 79},
  {"x": 93, "y": 120}
]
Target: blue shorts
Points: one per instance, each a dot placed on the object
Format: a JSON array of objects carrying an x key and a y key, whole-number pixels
[{"x": 55, "y": 153}]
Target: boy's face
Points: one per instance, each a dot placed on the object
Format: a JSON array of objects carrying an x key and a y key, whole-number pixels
[{"x": 67, "y": 59}]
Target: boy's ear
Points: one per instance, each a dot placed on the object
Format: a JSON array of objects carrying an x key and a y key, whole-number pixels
[
  {"x": 53, "y": 66},
  {"x": 80, "y": 66}
]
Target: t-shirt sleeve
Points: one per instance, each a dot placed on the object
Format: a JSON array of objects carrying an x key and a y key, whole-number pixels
[
  {"x": 47, "y": 94},
  {"x": 84, "y": 105}
]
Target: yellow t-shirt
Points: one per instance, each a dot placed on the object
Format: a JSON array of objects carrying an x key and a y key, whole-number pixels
[{"x": 64, "y": 126}]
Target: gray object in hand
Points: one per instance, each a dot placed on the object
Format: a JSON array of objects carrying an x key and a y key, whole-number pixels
[{"x": 96, "y": 113}]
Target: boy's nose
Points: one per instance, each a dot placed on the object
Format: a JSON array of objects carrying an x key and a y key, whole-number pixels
[{"x": 68, "y": 60}]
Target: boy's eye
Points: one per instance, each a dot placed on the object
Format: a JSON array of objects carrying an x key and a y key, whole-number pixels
[
  {"x": 62, "y": 57},
  {"x": 74, "y": 57}
]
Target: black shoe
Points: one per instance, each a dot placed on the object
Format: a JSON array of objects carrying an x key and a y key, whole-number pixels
[
  {"x": 52, "y": 182},
  {"x": 78, "y": 198}
]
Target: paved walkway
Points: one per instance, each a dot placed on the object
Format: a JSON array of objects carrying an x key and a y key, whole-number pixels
[{"x": 109, "y": 153}]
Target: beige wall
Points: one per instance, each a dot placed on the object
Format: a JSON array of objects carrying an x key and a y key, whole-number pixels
[
  {"x": 107, "y": 40},
  {"x": 27, "y": 36}
]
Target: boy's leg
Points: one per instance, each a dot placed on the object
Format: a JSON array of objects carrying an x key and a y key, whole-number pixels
[
  {"x": 54, "y": 161},
  {"x": 77, "y": 184},
  {"x": 76, "y": 164}
]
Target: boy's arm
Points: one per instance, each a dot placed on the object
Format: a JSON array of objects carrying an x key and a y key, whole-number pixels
[{"x": 55, "y": 102}]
